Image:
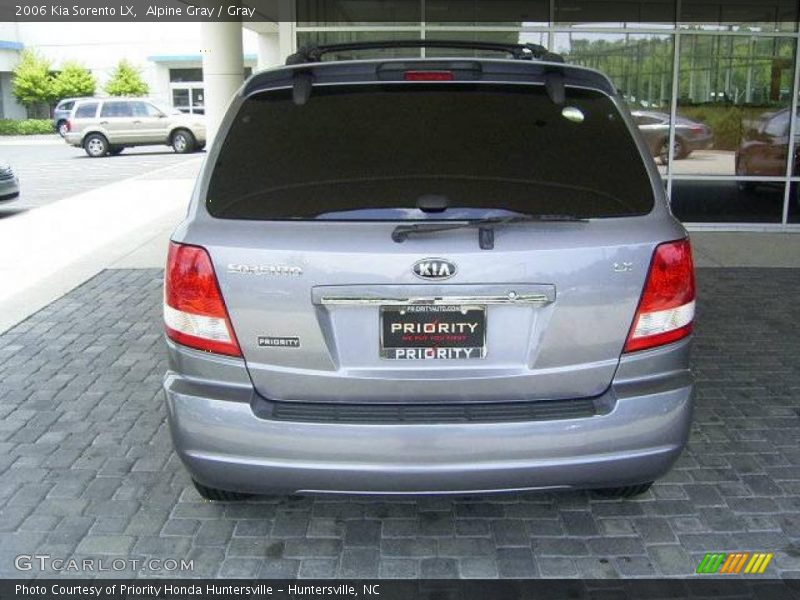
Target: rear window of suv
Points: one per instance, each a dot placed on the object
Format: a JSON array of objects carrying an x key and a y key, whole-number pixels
[{"x": 364, "y": 152}]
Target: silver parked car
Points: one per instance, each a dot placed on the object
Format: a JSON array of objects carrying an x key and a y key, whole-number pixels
[
  {"x": 9, "y": 184},
  {"x": 428, "y": 276},
  {"x": 61, "y": 115},
  {"x": 108, "y": 126}
]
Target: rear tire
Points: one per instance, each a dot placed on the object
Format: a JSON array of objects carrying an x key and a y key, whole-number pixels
[
  {"x": 183, "y": 141},
  {"x": 96, "y": 145},
  {"x": 62, "y": 128},
  {"x": 218, "y": 495},
  {"x": 627, "y": 491}
]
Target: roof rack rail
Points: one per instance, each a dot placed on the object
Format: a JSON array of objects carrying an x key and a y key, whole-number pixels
[{"x": 310, "y": 54}]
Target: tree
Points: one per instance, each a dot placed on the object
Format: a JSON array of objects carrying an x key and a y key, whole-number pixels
[
  {"x": 126, "y": 80},
  {"x": 73, "y": 81},
  {"x": 32, "y": 83}
]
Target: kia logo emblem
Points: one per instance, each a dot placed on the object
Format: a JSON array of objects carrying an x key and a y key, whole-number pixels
[{"x": 434, "y": 268}]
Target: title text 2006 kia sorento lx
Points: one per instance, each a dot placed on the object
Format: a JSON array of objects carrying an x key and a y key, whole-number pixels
[{"x": 424, "y": 276}]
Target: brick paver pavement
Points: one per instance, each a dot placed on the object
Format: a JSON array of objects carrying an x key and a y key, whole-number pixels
[{"x": 87, "y": 470}]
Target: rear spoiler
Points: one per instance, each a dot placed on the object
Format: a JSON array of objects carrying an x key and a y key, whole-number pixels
[{"x": 302, "y": 77}]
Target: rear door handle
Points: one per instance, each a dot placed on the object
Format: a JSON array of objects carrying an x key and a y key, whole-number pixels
[
  {"x": 135, "y": 122},
  {"x": 103, "y": 122}
]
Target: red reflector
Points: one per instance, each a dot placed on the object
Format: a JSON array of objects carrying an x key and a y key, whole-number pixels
[
  {"x": 666, "y": 308},
  {"x": 69, "y": 125},
  {"x": 194, "y": 311},
  {"x": 428, "y": 76}
]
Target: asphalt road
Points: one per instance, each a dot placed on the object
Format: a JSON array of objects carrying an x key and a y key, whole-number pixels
[{"x": 50, "y": 170}]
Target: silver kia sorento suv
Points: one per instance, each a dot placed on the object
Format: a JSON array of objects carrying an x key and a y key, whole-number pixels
[{"x": 428, "y": 276}]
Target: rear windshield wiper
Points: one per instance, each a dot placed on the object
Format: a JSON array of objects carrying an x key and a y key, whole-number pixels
[{"x": 485, "y": 226}]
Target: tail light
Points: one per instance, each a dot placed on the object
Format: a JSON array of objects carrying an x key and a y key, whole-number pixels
[
  {"x": 666, "y": 309},
  {"x": 428, "y": 76},
  {"x": 194, "y": 311},
  {"x": 69, "y": 125}
]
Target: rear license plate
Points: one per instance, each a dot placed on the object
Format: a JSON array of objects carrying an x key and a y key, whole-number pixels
[{"x": 428, "y": 332}]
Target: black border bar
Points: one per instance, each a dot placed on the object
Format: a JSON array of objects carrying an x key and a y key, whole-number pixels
[
  {"x": 728, "y": 587},
  {"x": 764, "y": 13}
]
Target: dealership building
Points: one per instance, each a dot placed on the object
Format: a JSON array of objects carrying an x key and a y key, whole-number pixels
[{"x": 718, "y": 78}]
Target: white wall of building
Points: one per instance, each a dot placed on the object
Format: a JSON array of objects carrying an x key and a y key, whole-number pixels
[{"x": 9, "y": 108}]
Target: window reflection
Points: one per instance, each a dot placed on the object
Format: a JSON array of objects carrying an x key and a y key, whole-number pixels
[
  {"x": 503, "y": 37},
  {"x": 306, "y": 38},
  {"x": 323, "y": 13},
  {"x": 510, "y": 13},
  {"x": 766, "y": 145},
  {"x": 735, "y": 87},
  {"x": 623, "y": 13},
  {"x": 739, "y": 15},
  {"x": 794, "y": 203},
  {"x": 727, "y": 201}
]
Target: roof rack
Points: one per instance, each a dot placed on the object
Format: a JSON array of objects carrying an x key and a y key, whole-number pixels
[{"x": 310, "y": 54}]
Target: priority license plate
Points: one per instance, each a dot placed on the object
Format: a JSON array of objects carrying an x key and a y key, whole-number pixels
[{"x": 429, "y": 332}]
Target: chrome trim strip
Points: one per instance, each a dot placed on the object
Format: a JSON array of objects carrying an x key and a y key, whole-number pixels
[{"x": 510, "y": 298}]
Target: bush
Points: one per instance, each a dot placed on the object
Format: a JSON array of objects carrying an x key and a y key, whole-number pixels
[
  {"x": 32, "y": 84},
  {"x": 73, "y": 81},
  {"x": 729, "y": 123},
  {"x": 126, "y": 80},
  {"x": 25, "y": 126}
]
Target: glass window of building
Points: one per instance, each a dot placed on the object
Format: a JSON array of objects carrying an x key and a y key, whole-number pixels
[
  {"x": 732, "y": 89},
  {"x": 497, "y": 13},
  {"x": 615, "y": 13},
  {"x": 317, "y": 38},
  {"x": 183, "y": 75},
  {"x": 739, "y": 15},
  {"x": 321, "y": 13},
  {"x": 723, "y": 148}
]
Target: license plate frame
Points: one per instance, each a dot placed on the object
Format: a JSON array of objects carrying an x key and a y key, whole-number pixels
[{"x": 464, "y": 340}]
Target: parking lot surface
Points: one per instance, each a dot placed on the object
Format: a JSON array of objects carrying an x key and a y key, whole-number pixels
[
  {"x": 50, "y": 170},
  {"x": 87, "y": 470}
]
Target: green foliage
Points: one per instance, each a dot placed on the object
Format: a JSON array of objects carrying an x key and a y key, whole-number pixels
[
  {"x": 730, "y": 124},
  {"x": 32, "y": 83},
  {"x": 25, "y": 126},
  {"x": 126, "y": 80},
  {"x": 73, "y": 81}
]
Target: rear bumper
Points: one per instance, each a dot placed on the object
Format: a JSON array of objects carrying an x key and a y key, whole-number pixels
[
  {"x": 74, "y": 138},
  {"x": 225, "y": 445}
]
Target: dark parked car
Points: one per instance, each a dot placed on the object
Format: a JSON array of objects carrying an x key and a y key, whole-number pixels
[
  {"x": 689, "y": 135},
  {"x": 763, "y": 150}
]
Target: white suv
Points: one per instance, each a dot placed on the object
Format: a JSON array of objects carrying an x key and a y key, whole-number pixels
[{"x": 108, "y": 126}]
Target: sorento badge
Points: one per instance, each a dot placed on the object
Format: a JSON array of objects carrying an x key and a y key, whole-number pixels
[{"x": 434, "y": 268}]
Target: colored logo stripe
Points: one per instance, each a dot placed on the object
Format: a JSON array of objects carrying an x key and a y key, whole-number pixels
[
  {"x": 734, "y": 562},
  {"x": 759, "y": 562},
  {"x": 711, "y": 562}
]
